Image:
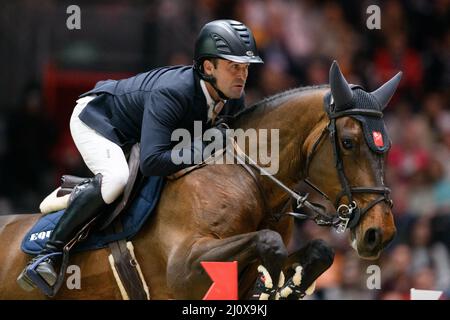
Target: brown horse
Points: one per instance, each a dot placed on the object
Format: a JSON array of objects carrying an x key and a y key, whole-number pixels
[{"x": 223, "y": 213}]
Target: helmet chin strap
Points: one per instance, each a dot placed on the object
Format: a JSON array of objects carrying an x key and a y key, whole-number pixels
[
  {"x": 212, "y": 80},
  {"x": 219, "y": 92}
]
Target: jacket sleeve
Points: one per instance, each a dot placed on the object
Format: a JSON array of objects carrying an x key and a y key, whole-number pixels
[{"x": 163, "y": 112}]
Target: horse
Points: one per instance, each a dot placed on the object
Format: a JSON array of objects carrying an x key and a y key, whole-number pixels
[{"x": 229, "y": 213}]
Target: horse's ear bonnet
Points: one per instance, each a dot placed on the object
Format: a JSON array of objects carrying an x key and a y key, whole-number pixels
[
  {"x": 343, "y": 96},
  {"x": 373, "y": 127}
]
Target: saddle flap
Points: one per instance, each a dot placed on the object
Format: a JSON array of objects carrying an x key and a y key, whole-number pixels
[{"x": 134, "y": 182}]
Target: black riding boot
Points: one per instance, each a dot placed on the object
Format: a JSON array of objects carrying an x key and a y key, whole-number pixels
[{"x": 86, "y": 202}]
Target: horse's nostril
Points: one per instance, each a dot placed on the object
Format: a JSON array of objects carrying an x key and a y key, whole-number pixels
[{"x": 372, "y": 238}]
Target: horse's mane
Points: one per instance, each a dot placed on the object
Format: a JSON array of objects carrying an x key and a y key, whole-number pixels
[{"x": 268, "y": 101}]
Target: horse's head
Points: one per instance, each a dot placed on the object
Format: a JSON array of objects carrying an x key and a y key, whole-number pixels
[{"x": 348, "y": 166}]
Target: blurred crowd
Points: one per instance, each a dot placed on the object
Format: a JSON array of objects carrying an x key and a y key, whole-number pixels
[{"x": 298, "y": 40}]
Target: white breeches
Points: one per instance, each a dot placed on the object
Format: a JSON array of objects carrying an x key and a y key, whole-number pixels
[{"x": 100, "y": 154}]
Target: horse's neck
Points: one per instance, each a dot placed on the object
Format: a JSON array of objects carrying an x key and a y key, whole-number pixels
[{"x": 299, "y": 119}]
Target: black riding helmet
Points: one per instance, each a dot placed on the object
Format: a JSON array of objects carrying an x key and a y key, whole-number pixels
[{"x": 226, "y": 39}]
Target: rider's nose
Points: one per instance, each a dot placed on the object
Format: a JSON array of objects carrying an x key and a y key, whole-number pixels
[
  {"x": 372, "y": 238},
  {"x": 243, "y": 75}
]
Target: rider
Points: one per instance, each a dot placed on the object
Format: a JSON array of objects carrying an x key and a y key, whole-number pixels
[{"x": 147, "y": 108}]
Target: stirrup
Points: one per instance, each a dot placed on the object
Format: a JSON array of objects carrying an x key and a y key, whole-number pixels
[{"x": 33, "y": 275}]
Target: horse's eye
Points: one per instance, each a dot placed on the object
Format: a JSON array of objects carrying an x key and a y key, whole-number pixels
[{"x": 347, "y": 143}]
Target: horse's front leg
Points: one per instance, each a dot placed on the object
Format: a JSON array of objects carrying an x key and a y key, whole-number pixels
[
  {"x": 303, "y": 267},
  {"x": 188, "y": 280}
]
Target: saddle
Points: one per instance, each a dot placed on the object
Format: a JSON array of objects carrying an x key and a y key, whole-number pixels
[
  {"x": 122, "y": 259},
  {"x": 62, "y": 196}
]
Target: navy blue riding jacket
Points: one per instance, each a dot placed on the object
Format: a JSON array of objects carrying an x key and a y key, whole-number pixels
[{"x": 147, "y": 108}]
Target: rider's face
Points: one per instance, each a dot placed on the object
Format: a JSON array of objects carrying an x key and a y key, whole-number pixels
[{"x": 230, "y": 76}]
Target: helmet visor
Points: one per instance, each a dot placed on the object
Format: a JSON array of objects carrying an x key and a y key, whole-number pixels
[{"x": 242, "y": 59}]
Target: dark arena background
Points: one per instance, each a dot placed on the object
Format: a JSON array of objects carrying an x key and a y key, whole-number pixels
[{"x": 45, "y": 63}]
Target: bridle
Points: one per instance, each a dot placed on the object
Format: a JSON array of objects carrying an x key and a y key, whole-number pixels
[{"x": 347, "y": 215}]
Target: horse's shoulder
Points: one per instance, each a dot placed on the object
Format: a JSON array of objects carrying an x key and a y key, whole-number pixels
[{"x": 232, "y": 179}]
